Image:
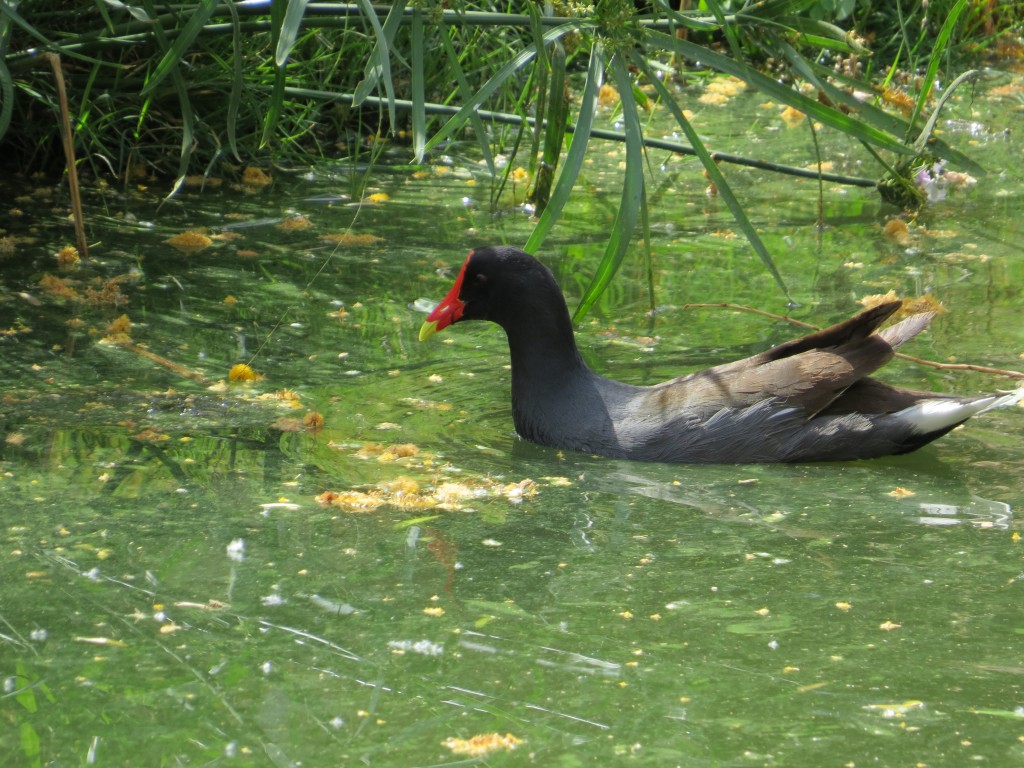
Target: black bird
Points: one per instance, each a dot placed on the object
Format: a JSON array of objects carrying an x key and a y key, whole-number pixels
[{"x": 810, "y": 399}]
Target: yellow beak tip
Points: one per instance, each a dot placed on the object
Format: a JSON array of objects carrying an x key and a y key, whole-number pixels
[{"x": 428, "y": 329}]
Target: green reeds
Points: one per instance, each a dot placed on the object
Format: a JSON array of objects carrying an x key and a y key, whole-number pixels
[{"x": 261, "y": 82}]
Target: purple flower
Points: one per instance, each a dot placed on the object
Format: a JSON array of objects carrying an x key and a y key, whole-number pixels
[{"x": 931, "y": 181}]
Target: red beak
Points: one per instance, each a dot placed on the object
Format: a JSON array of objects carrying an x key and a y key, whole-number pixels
[{"x": 448, "y": 311}]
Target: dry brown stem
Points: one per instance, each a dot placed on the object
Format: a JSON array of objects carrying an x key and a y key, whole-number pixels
[{"x": 69, "y": 155}]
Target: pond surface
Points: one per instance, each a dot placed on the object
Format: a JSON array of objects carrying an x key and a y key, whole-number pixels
[{"x": 178, "y": 591}]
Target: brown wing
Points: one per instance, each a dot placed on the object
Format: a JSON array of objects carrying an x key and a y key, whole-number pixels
[{"x": 810, "y": 372}]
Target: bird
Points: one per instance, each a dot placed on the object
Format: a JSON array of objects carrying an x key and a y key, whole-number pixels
[{"x": 806, "y": 400}]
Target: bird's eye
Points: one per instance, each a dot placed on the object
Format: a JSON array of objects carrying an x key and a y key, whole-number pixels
[{"x": 480, "y": 278}]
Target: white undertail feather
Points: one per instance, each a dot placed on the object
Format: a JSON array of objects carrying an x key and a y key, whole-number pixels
[
  {"x": 933, "y": 415},
  {"x": 905, "y": 330}
]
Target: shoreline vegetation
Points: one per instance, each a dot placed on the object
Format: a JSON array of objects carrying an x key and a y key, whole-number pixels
[{"x": 208, "y": 89}]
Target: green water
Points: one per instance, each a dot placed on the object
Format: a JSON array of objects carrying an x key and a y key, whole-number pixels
[{"x": 174, "y": 593}]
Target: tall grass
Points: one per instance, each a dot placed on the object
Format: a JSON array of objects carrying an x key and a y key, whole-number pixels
[{"x": 199, "y": 87}]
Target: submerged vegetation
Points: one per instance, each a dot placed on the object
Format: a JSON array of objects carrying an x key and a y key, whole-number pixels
[{"x": 202, "y": 90}]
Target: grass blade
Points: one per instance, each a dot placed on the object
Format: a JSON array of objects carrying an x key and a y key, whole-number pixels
[
  {"x": 538, "y": 83},
  {"x": 781, "y": 93},
  {"x": 824, "y": 35},
  {"x": 275, "y": 102},
  {"x": 289, "y": 30},
  {"x": 556, "y": 119},
  {"x": 880, "y": 118},
  {"x": 921, "y": 144},
  {"x": 645, "y": 230},
  {"x": 498, "y": 79},
  {"x": 632, "y": 192},
  {"x": 419, "y": 114},
  {"x": 6, "y": 98},
  {"x": 466, "y": 93},
  {"x": 715, "y": 174},
  {"x": 577, "y": 152},
  {"x": 237, "y": 81},
  {"x": 173, "y": 54},
  {"x": 938, "y": 51},
  {"x": 378, "y": 68},
  {"x": 8, "y": 12},
  {"x": 187, "y": 116},
  {"x": 728, "y": 29}
]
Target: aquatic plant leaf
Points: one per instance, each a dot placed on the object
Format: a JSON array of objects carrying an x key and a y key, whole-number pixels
[
  {"x": 499, "y": 78},
  {"x": 717, "y": 177},
  {"x": 632, "y": 192},
  {"x": 555, "y": 119},
  {"x": 30, "y": 743},
  {"x": 289, "y": 30},
  {"x": 780, "y": 92},
  {"x": 237, "y": 81},
  {"x": 938, "y": 52},
  {"x": 6, "y": 98},
  {"x": 186, "y": 36},
  {"x": 822, "y": 34},
  {"x": 576, "y": 153},
  {"x": 190, "y": 241},
  {"x": 241, "y": 372},
  {"x": 168, "y": 66},
  {"x": 465, "y": 94},
  {"x": 419, "y": 114},
  {"x": 378, "y": 68},
  {"x": 821, "y": 76},
  {"x": 136, "y": 12}
]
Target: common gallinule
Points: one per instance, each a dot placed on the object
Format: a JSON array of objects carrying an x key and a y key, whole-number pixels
[{"x": 809, "y": 399}]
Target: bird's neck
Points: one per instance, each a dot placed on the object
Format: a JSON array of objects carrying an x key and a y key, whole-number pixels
[
  {"x": 543, "y": 349},
  {"x": 541, "y": 364},
  {"x": 551, "y": 385}
]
